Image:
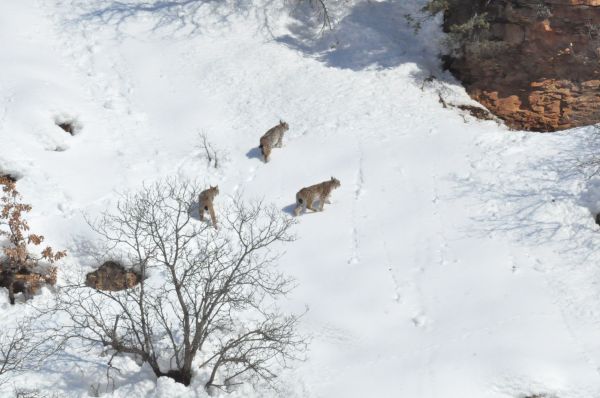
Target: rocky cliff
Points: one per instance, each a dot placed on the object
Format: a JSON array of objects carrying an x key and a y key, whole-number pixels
[{"x": 537, "y": 64}]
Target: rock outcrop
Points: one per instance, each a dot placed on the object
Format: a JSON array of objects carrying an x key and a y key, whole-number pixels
[
  {"x": 537, "y": 66},
  {"x": 112, "y": 276}
]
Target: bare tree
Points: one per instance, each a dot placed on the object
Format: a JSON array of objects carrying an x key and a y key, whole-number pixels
[{"x": 206, "y": 299}]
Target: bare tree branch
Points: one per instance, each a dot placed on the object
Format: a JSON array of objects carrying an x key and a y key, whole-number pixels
[
  {"x": 24, "y": 347},
  {"x": 323, "y": 11}
]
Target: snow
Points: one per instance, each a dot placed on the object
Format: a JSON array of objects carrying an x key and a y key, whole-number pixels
[{"x": 457, "y": 258}]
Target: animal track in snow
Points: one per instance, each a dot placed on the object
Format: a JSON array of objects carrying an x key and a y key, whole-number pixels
[
  {"x": 390, "y": 268},
  {"x": 360, "y": 179},
  {"x": 442, "y": 248},
  {"x": 338, "y": 335},
  {"x": 397, "y": 296},
  {"x": 358, "y": 191},
  {"x": 252, "y": 172},
  {"x": 420, "y": 320},
  {"x": 354, "y": 259}
]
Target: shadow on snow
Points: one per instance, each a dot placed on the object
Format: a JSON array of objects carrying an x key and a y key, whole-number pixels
[
  {"x": 373, "y": 35},
  {"x": 171, "y": 15}
]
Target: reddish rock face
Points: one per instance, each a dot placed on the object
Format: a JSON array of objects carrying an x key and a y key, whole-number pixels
[{"x": 543, "y": 72}]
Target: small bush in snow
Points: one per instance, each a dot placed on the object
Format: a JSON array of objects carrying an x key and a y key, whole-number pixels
[
  {"x": 471, "y": 36},
  {"x": 19, "y": 264},
  {"x": 32, "y": 393},
  {"x": 209, "y": 152},
  {"x": 15, "y": 228}
]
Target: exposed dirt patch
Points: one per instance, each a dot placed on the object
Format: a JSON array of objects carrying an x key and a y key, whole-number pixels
[
  {"x": 539, "y": 396},
  {"x": 68, "y": 124},
  {"x": 477, "y": 112},
  {"x": 25, "y": 281},
  {"x": 112, "y": 276},
  {"x": 7, "y": 177}
]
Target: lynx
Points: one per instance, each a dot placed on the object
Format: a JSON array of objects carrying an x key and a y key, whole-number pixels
[
  {"x": 307, "y": 196},
  {"x": 205, "y": 201},
  {"x": 272, "y": 139}
]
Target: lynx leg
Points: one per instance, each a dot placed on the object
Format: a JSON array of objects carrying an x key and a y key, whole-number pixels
[
  {"x": 201, "y": 213},
  {"x": 310, "y": 205},
  {"x": 279, "y": 142},
  {"x": 213, "y": 217},
  {"x": 300, "y": 205}
]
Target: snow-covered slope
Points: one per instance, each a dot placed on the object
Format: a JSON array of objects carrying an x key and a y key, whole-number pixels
[{"x": 456, "y": 260}]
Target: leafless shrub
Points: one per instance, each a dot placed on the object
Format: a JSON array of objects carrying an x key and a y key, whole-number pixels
[
  {"x": 322, "y": 10},
  {"x": 209, "y": 152},
  {"x": 32, "y": 393},
  {"x": 206, "y": 298}
]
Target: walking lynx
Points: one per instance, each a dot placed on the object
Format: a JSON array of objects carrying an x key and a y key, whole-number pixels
[
  {"x": 272, "y": 139},
  {"x": 306, "y": 197},
  {"x": 205, "y": 200}
]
